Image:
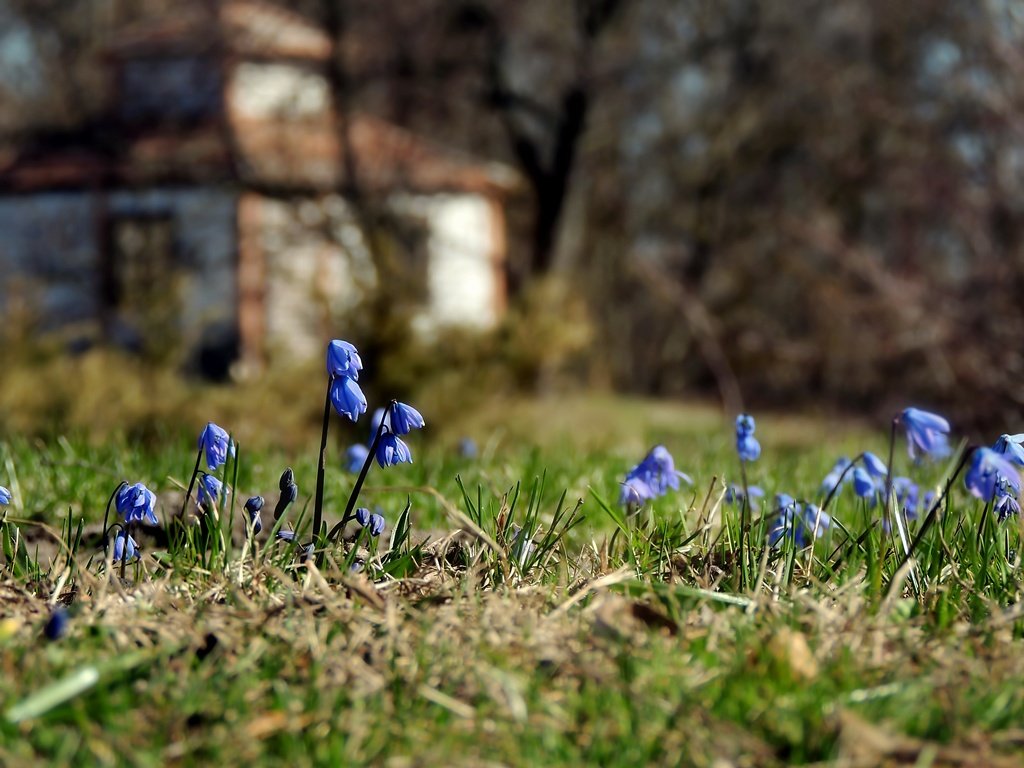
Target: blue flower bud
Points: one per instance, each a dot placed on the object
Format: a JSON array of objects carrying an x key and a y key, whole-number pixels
[{"x": 57, "y": 624}]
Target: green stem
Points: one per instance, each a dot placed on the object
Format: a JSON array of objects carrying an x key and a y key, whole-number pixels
[
  {"x": 191, "y": 484},
  {"x": 354, "y": 495},
  {"x": 318, "y": 504}
]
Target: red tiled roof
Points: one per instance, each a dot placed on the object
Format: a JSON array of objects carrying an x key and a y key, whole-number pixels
[{"x": 246, "y": 27}]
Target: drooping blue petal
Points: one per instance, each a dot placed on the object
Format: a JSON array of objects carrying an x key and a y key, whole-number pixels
[
  {"x": 748, "y": 448},
  {"x": 136, "y": 504},
  {"x": 987, "y": 469},
  {"x": 209, "y": 490},
  {"x": 863, "y": 485},
  {"x": 347, "y": 398},
  {"x": 392, "y": 450},
  {"x": 1012, "y": 447},
  {"x": 343, "y": 359},
  {"x": 5, "y": 496},
  {"x": 376, "y": 524},
  {"x": 405, "y": 418},
  {"x": 120, "y": 553},
  {"x": 926, "y": 433},
  {"x": 363, "y": 516},
  {"x": 216, "y": 444},
  {"x": 874, "y": 465}
]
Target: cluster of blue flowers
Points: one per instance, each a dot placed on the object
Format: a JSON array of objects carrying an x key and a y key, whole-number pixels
[
  {"x": 343, "y": 366},
  {"x": 993, "y": 476},
  {"x": 651, "y": 478},
  {"x": 801, "y": 522}
]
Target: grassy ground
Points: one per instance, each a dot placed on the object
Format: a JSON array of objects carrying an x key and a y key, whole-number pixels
[{"x": 616, "y": 642}]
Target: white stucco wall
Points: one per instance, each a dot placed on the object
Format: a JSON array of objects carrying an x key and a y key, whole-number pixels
[
  {"x": 275, "y": 90},
  {"x": 462, "y": 278}
]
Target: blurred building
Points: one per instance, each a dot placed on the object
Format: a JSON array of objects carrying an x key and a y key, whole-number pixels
[{"x": 217, "y": 205}]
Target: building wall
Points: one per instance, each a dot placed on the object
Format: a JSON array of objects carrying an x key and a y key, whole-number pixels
[
  {"x": 48, "y": 258},
  {"x": 465, "y": 245},
  {"x": 52, "y": 258},
  {"x": 316, "y": 266}
]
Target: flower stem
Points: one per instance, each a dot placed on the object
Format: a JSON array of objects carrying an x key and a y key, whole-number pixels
[
  {"x": 191, "y": 484},
  {"x": 106, "y": 512},
  {"x": 353, "y": 497},
  {"x": 744, "y": 515},
  {"x": 933, "y": 513},
  {"x": 318, "y": 504}
]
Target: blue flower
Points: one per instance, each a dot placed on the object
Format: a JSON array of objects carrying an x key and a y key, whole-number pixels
[
  {"x": 5, "y": 496},
  {"x": 1006, "y": 504},
  {"x": 216, "y": 443},
  {"x": 209, "y": 490},
  {"x": 121, "y": 552},
  {"x": 135, "y": 504},
  {"x": 355, "y": 457},
  {"x": 254, "y": 506},
  {"x": 286, "y": 535},
  {"x": 926, "y": 433},
  {"x": 652, "y": 477},
  {"x": 734, "y": 493},
  {"x": 635, "y": 492},
  {"x": 907, "y": 493},
  {"x": 832, "y": 478},
  {"x": 987, "y": 469},
  {"x": 801, "y": 522},
  {"x": 405, "y": 418},
  {"x": 363, "y": 516},
  {"x": 343, "y": 360},
  {"x": 467, "y": 448},
  {"x": 1012, "y": 447},
  {"x": 57, "y": 625},
  {"x": 392, "y": 450},
  {"x": 376, "y": 524},
  {"x": 347, "y": 398},
  {"x": 746, "y": 444},
  {"x": 874, "y": 465},
  {"x": 863, "y": 484}
]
